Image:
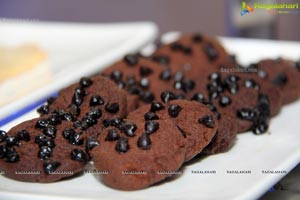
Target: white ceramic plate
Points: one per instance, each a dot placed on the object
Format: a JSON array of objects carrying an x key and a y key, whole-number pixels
[
  {"x": 74, "y": 50},
  {"x": 277, "y": 151}
]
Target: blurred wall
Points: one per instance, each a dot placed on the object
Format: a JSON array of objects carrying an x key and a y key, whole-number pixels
[{"x": 210, "y": 16}]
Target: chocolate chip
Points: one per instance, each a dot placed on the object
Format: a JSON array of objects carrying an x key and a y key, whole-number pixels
[
  {"x": 145, "y": 71},
  {"x": 116, "y": 75},
  {"x": 224, "y": 101},
  {"x": 11, "y": 155},
  {"x": 250, "y": 83},
  {"x": 208, "y": 121},
  {"x": 3, "y": 136},
  {"x": 80, "y": 91},
  {"x": 214, "y": 77},
  {"x": 147, "y": 97},
  {"x": 263, "y": 105},
  {"x": 50, "y": 166},
  {"x": 175, "y": 46},
  {"x": 246, "y": 114},
  {"x": 164, "y": 60},
  {"x": 150, "y": 116},
  {"x": 144, "y": 83},
  {"x": 262, "y": 73},
  {"x": 50, "y": 131},
  {"x": 42, "y": 140},
  {"x": 174, "y": 110},
  {"x": 167, "y": 96},
  {"x": 67, "y": 132},
  {"x": 106, "y": 122},
  {"x": 280, "y": 80},
  {"x": 12, "y": 141},
  {"x": 42, "y": 123},
  {"x": 144, "y": 142},
  {"x": 116, "y": 121},
  {"x": 75, "y": 110},
  {"x": 210, "y": 51},
  {"x": 44, "y": 152},
  {"x": 2, "y": 151},
  {"x": 165, "y": 75},
  {"x": 112, "y": 135},
  {"x": 188, "y": 85},
  {"x": 128, "y": 128},
  {"x": 187, "y": 50},
  {"x": 43, "y": 110},
  {"x": 112, "y": 107},
  {"x": 92, "y": 143},
  {"x": 23, "y": 135},
  {"x": 135, "y": 89},
  {"x": 156, "y": 106},
  {"x": 122, "y": 145},
  {"x": 199, "y": 97},
  {"x": 55, "y": 119},
  {"x": 130, "y": 80},
  {"x": 96, "y": 100},
  {"x": 297, "y": 65},
  {"x": 260, "y": 127},
  {"x": 85, "y": 82},
  {"x": 197, "y": 38},
  {"x": 95, "y": 113},
  {"x": 51, "y": 100},
  {"x": 77, "y": 99},
  {"x": 177, "y": 85},
  {"x": 77, "y": 124},
  {"x": 131, "y": 59},
  {"x": 89, "y": 120},
  {"x": 68, "y": 117},
  {"x": 76, "y": 139},
  {"x": 151, "y": 126},
  {"x": 79, "y": 155}
]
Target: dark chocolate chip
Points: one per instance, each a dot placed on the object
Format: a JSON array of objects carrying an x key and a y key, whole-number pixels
[
  {"x": 91, "y": 143},
  {"x": 45, "y": 152},
  {"x": 144, "y": 142},
  {"x": 215, "y": 77},
  {"x": 67, "y": 132},
  {"x": 224, "y": 101},
  {"x": 43, "y": 110},
  {"x": 95, "y": 113},
  {"x": 2, "y": 151},
  {"x": 116, "y": 121},
  {"x": 85, "y": 82},
  {"x": 200, "y": 98},
  {"x": 42, "y": 140},
  {"x": 12, "y": 141},
  {"x": 51, "y": 100},
  {"x": 42, "y": 123},
  {"x": 96, "y": 100},
  {"x": 145, "y": 71},
  {"x": 164, "y": 60},
  {"x": 178, "y": 85},
  {"x": 250, "y": 83},
  {"x": 156, "y": 106},
  {"x": 131, "y": 59},
  {"x": 112, "y": 135},
  {"x": 75, "y": 110},
  {"x": 11, "y": 155},
  {"x": 210, "y": 51},
  {"x": 55, "y": 119},
  {"x": 280, "y": 80},
  {"x": 197, "y": 38},
  {"x": 112, "y": 107},
  {"x": 260, "y": 127},
  {"x": 150, "y": 116},
  {"x": 116, "y": 75},
  {"x": 178, "y": 76},
  {"x": 130, "y": 80},
  {"x": 144, "y": 83},
  {"x": 263, "y": 105},
  {"x": 147, "y": 97},
  {"x": 23, "y": 135},
  {"x": 188, "y": 85},
  {"x": 207, "y": 120},
  {"x": 297, "y": 65},
  {"x": 122, "y": 145},
  {"x": 50, "y": 166},
  {"x": 3, "y": 135},
  {"x": 175, "y": 46},
  {"x": 165, "y": 75},
  {"x": 90, "y": 120},
  {"x": 187, "y": 50},
  {"x": 68, "y": 117},
  {"x": 128, "y": 128},
  {"x": 106, "y": 122},
  {"x": 79, "y": 155},
  {"x": 174, "y": 110},
  {"x": 77, "y": 99},
  {"x": 76, "y": 139},
  {"x": 50, "y": 131},
  {"x": 247, "y": 114},
  {"x": 151, "y": 126},
  {"x": 167, "y": 96}
]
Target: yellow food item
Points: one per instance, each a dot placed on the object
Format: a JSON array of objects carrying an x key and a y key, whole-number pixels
[{"x": 17, "y": 60}]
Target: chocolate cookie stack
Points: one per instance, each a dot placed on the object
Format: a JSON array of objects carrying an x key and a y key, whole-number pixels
[{"x": 140, "y": 119}]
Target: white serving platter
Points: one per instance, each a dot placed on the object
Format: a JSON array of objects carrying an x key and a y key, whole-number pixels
[{"x": 278, "y": 151}]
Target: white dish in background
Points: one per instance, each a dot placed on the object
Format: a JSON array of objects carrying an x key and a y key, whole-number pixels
[
  {"x": 74, "y": 50},
  {"x": 277, "y": 150}
]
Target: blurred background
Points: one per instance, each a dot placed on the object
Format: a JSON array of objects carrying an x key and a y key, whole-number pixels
[{"x": 216, "y": 17}]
